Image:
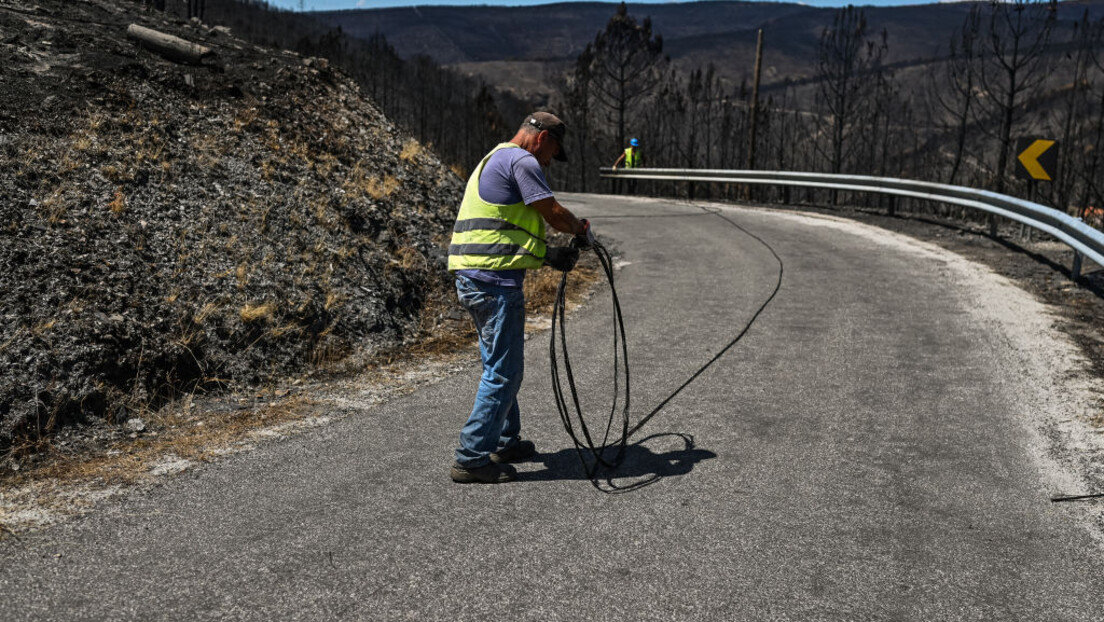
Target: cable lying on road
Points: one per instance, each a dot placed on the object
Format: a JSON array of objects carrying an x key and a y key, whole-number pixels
[
  {"x": 739, "y": 336},
  {"x": 593, "y": 454},
  {"x": 1078, "y": 497}
]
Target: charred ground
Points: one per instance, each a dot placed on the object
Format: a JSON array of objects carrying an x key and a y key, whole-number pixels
[{"x": 167, "y": 227}]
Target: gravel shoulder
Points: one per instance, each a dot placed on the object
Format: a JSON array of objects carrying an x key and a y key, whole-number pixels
[{"x": 1040, "y": 266}]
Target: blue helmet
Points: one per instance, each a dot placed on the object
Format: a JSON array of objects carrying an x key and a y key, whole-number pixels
[{"x": 634, "y": 142}]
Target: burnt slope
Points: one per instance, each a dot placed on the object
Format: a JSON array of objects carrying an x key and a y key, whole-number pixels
[{"x": 165, "y": 227}]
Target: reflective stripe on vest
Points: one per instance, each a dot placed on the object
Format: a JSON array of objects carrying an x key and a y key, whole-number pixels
[
  {"x": 632, "y": 158},
  {"x": 488, "y": 236}
]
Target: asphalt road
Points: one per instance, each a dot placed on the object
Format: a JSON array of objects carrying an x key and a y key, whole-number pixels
[{"x": 869, "y": 450}]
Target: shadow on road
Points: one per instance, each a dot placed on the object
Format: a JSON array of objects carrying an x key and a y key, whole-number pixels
[{"x": 645, "y": 462}]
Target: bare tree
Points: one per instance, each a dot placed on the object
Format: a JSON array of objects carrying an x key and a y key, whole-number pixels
[
  {"x": 578, "y": 98},
  {"x": 1014, "y": 66},
  {"x": 625, "y": 65},
  {"x": 956, "y": 95},
  {"x": 666, "y": 117},
  {"x": 845, "y": 60},
  {"x": 1077, "y": 107},
  {"x": 1093, "y": 191}
]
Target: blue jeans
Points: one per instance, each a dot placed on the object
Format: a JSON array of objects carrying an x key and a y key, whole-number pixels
[{"x": 495, "y": 421}]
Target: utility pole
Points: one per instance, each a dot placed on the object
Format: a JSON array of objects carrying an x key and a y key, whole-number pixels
[{"x": 754, "y": 109}]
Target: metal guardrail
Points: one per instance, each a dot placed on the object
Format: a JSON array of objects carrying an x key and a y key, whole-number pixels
[{"x": 1083, "y": 239}]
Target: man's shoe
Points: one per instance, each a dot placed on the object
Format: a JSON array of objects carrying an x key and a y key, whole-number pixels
[
  {"x": 521, "y": 450},
  {"x": 490, "y": 473}
]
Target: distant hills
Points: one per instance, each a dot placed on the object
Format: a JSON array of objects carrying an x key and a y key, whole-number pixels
[
  {"x": 515, "y": 47},
  {"x": 549, "y": 32}
]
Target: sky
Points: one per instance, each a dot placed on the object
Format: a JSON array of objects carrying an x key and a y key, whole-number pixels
[{"x": 336, "y": 5}]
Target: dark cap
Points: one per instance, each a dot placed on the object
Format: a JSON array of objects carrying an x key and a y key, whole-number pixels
[{"x": 555, "y": 127}]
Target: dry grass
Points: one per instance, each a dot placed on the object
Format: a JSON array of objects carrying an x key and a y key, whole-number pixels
[
  {"x": 411, "y": 149},
  {"x": 41, "y": 329},
  {"x": 410, "y": 257},
  {"x": 180, "y": 430},
  {"x": 360, "y": 182},
  {"x": 388, "y": 187},
  {"x": 252, "y": 313},
  {"x": 273, "y": 140},
  {"x": 324, "y": 164},
  {"x": 1096, "y": 419},
  {"x": 118, "y": 204},
  {"x": 246, "y": 118},
  {"x": 54, "y": 207},
  {"x": 329, "y": 351},
  {"x": 541, "y": 287},
  {"x": 277, "y": 332},
  {"x": 207, "y": 311},
  {"x": 333, "y": 300},
  {"x": 242, "y": 275},
  {"x": 459, "y": 171}
]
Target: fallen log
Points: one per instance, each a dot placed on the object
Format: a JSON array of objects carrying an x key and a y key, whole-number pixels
[{"x": 173, "y": 48}]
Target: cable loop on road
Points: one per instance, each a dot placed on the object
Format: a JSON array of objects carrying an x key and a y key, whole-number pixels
[{"x": 593, "y": 453}]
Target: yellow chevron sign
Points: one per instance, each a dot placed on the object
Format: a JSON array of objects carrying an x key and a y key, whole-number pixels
[{"x": 1037, "y": 160}]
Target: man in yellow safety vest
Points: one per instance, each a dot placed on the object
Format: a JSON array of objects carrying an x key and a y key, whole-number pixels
[
  {"x": 498, "y": 235},
  {"x": 632, "y": 159}
]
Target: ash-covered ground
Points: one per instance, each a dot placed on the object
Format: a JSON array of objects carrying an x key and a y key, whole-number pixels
[{"x": 166, "y": 227}]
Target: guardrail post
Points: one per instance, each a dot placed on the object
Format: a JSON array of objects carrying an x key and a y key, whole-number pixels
[
  {"x": 1075, "y": 270},
  {"x": 992, "y": 226}
]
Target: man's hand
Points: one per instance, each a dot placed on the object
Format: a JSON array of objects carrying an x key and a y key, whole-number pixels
[
  {"x": 562, "y": 258},
  {"x": 584, "y": 240}
]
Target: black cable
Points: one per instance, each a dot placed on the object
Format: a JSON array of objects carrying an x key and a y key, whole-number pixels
[
  {"x": 1077, "y": 497},
  {"x": 586, "y": 444},
  {"x": 583, "y": 439},
  {"x": 738, "y": 337}
]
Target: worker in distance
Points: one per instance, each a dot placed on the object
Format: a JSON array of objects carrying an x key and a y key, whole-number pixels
[{"x": 630, "y": 158}]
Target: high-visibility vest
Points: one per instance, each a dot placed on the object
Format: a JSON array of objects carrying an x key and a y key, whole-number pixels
[
  {"x": 632, "y": 158},
  {"x": 488, "y": 236}
]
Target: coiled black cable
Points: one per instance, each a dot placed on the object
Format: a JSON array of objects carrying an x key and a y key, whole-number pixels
[
  {"x": 592, "y": 454},
  {"x": 585, "y": 444}
]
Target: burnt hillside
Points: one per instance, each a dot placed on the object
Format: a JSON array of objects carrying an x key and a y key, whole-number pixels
[{"x": 167, "y": 227}]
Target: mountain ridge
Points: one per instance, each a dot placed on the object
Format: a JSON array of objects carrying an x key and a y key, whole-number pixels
[{"x": 498, "y": 45}]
